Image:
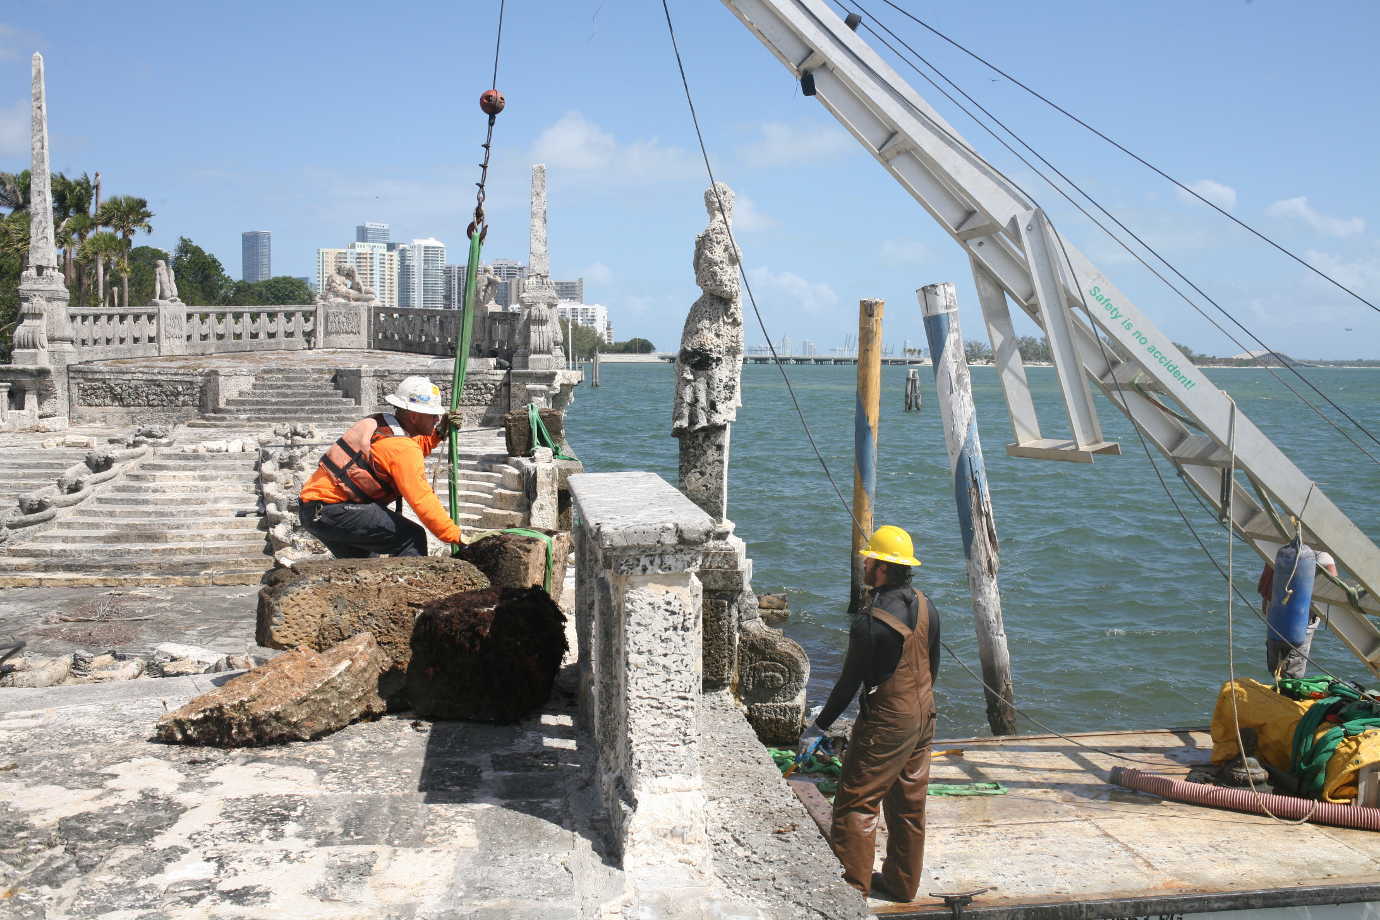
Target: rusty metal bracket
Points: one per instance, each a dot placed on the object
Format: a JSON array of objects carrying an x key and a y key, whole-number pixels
[{"x": 957, "y": 901}]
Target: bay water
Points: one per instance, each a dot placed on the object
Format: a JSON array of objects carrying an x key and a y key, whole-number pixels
[{"x": 1115, "y": 617}]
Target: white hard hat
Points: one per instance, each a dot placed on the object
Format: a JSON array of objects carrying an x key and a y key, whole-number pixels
[{"x": 418, "y": 394}]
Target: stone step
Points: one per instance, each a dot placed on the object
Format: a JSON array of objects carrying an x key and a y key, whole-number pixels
[
  {"x": 97, "y": 519},
  {"x": 136, "y": 553},
  {"x": 244, "y": 502},
  {"x": 327, "y": 401},
  {"x": 57, "y": 466},
  {"x": 183, "y": 577},
  {"x": 187, "y": 488},
  {"x": 210, "y": 534},
  {"x": 201, "y": 463},
  {"x": 190, "y": 474},
  {"x": 292, "y": 390},
  {"x": 268, "y": 417},
  {"x": 148, "y": 511},
  {"x": 225, "y": 570}
]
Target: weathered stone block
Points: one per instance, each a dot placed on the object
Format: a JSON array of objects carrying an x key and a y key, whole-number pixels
[
  {"x": 772, "y": 671},
  {"x": 511, "y": 560},
  {"x": 297, "y": 696},
  {"x": 485, "y": 655},
  {"x": 517, "y": 429},
  {"x": 318, "y": 604},
  {"x": 35, "y": 672}
]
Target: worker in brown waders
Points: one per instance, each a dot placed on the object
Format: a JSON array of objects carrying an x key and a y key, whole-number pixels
[
  {"x": 893, "y": 657},
  {"x": 381, "y": 460}
]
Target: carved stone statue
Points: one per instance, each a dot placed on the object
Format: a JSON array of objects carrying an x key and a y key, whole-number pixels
[
  {"x": 539, "y": 335},
  {"x": 709, "y": 365},
  {"x": 164, "y": 283},
  {"x": 710, "y": 362},
  {"x": 343, "y": 285}
]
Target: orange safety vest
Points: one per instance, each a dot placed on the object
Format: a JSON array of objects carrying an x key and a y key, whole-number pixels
[{"x": 350, "y": 460}]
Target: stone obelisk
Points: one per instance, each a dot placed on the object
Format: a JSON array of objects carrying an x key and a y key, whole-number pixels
[
  {"x": 44, "y": 336},
  {"x": 539, "y": 339}
]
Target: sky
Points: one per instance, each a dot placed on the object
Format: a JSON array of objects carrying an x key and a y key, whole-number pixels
[{"x": 306, "y": 120}]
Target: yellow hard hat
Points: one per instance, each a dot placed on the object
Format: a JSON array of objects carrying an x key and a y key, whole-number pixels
[{"x": 890, "y": 544}]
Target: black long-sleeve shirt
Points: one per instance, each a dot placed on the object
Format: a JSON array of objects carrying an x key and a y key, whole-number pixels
[{"x": 874, "y": 649}]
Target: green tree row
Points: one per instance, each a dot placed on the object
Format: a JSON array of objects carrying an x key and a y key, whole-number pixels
[{"x": 587, "y": 342}]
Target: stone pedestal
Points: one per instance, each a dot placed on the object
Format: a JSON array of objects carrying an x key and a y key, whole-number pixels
[
  {"x": 639, "y": 544},
  {"x": 766, "y": 669},
  {"x": 343, "y": 324},
  {"x": 704, "y": 468},
  {"x": 172, "y": 327}
]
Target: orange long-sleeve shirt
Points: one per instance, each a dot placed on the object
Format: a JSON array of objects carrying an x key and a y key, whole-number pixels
[{"x": 402, "y": 459}]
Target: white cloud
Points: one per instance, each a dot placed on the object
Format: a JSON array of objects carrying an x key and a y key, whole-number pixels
[
  {"x": 1224, "y": 196},
  {"x": 1361, "y": 275},
  {"x": 598, "y": 273},
  {"x": 14, "y": 128},
  {"x": 1299, "y": 209},
  {"x": 797, "y": 292},
  {"x": 748, "y": 218},
  {"x": 904, "y": 252},
  {"x": 574, "y": 143},
  {"x": 781, "y": 144}
]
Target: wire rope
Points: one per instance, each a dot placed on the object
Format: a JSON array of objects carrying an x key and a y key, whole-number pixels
[
  {"x": 1132, "y": 154},
  {"x": 1122, "y": 243}
]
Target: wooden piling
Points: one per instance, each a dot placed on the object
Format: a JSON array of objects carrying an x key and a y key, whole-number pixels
[
  {"x": 913, "y": 397},
  {"x": 594, "y": 369},
  {"x": 939, "y": 305},
  {"x": 866, "y": 415}
]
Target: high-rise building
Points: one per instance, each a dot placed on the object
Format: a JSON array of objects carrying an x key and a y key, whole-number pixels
[
  {"x": 592, "y": 315},
  {"x": 422, "y": 274},
  {"x": 371, "y": 233},
  {"x": 256, "y": 262},
  {"x": 571, "y": 291},
  {"x": 376, "y": 267},
  {"x": 454, "y": 278}
]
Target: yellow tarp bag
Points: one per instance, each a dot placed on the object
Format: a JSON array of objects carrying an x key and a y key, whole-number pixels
[
  {"x": 1351, "y": 755},
  {"x": 1274, "y": 719}
]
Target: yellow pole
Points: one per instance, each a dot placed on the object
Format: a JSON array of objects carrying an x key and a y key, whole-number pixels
[{"x": 866, "y": 416}]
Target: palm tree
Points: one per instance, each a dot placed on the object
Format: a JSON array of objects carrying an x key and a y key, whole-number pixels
[
  {"x": 14, "y": 191},
  {"x": 71, "y": 235},
  {"x": 126, "y": 215},
  {"x": 100, "y": 248},
  {"x": 71, "y": 201},
  {"x": 14, "y": 236}
]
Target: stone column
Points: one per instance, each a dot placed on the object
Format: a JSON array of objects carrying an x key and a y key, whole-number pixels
[
  {"x": 539, "y": 334},
  {"x": 638, "y": 608},
  {"x": 4, "y": 403},
  {"x": 44, "y": 336}
]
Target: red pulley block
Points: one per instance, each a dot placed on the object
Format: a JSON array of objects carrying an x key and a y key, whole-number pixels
[{"x": 491, "y": 102}]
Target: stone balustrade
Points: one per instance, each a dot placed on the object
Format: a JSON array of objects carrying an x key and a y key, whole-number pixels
[
  {"x": 423, "y": 332},
  {"x": 104, "y": 333},
  {"x": 215, "y": 330},
  {"x": 639, "y": 543}
]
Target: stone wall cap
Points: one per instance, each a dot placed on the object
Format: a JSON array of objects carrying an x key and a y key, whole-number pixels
[{"x": 635, "y": 510}]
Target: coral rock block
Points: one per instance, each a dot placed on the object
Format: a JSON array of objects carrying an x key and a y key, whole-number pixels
[
  {"x": 298, "y": 696},
  {"x": 486, "y": 656},
  {"x": 318, "y": 604},
  {"x": 513, "y": 561}
]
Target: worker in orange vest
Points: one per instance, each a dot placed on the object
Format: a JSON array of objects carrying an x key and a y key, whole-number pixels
[{"x": 378, "y": 461}]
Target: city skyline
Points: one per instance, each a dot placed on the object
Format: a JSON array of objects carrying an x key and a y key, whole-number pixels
[
  {"x": 819, "y": 223},
  {"x": 256, "y": 255}
]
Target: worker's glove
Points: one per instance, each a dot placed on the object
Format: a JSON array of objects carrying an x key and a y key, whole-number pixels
[
  {"x": 447, "y": 423},
  {"x": 814, "y": 741}
]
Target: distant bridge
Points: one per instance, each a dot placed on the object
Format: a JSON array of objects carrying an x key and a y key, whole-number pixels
[{"x": 815, "y": 359}]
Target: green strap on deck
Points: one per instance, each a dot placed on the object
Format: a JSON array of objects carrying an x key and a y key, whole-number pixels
[
  {"x": 457, "y": 380},
  {"x": 550, "y": 549},
  {"x": 540, "y": 436}
]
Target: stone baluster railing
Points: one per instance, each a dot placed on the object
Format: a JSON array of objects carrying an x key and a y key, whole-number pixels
[
  {"x": 214, "y": 330},
  {"x": 639, "y": 544},
  {"x": 102, "y": 333},
  {"x": 427, "y": 332}
]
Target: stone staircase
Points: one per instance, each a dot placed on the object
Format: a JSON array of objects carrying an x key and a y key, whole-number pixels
[
  {"x": 28, "y": 469},
  {"x": 174, "y": 518},
  {"x": 286, "y": 395},
  {"x": 490, "y": 491}
]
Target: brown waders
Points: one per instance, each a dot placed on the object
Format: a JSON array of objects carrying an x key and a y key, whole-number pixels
[{"x": 887, "y": 765}]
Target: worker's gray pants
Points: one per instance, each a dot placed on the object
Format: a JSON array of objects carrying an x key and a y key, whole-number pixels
[
  {"x": 358, "y": 531},
  {"x": 1288, "y": 659}
]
